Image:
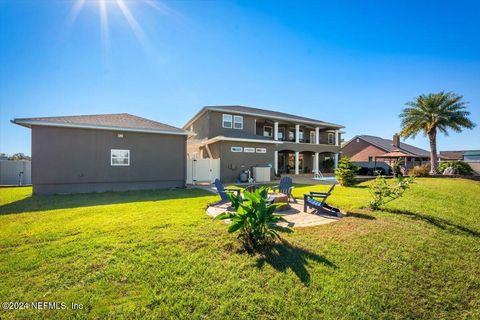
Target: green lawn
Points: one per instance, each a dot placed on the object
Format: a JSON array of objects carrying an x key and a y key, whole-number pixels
[{"x": 156, "y": 254}]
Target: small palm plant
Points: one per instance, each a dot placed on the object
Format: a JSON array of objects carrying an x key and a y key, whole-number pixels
[{"x": 254, "y": 218}]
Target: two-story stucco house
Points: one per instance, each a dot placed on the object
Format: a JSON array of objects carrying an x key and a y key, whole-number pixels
[{"x": 243, "y": 138}]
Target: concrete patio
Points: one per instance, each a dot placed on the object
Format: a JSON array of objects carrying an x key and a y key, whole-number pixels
[{"x": 295, "y": 217}]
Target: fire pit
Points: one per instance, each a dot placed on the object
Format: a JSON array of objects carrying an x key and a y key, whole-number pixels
[{"x": 280, "y": 198}]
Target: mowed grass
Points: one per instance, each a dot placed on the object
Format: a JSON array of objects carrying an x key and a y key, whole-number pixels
[{"x": 156, "y": 255}]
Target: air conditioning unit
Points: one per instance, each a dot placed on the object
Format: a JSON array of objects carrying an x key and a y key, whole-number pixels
[{"x": 261, "y": 174}]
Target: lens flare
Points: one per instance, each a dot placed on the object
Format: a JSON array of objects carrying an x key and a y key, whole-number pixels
[
  {"x": 105, "y": 5},
  {"x": 132, "y": 22}
]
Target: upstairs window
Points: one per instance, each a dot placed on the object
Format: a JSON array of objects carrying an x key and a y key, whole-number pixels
[
  {"x": 119, "y": 157},
  {"x": 237, "y": 122},
  {"x": 268, "y": 131},
  {"x": 331, "y": 138},
  {"x": 227, "y": 121}
]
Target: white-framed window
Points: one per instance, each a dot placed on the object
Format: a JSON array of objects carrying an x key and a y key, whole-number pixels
[
  {"x": 236, "y": 149},
  {"x": 227, "y": 121},
  {"x": 249, "y": 150},
  {"x": 119, "y": 157},
  {"x": 238, "y": 122},
  {"x": 268, "y": 131},
  {"x": 261, "y": 150},
  {"x": 281, "y": 133},
  {"x": 331, "y": 138}
]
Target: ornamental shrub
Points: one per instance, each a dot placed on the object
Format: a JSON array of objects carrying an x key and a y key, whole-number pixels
[
  {"x": 461, "y": 167},
  {"x": 254, "y": 218},
  {"x": 420, "y": 171},
  {"x": 346, "y": 172}
]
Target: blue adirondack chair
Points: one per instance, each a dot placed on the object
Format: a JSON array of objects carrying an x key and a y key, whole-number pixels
[
  {"x": 317, "y": 201},
  {"x": 223, "y": 192},
  {"x": 285, "y": 187}
]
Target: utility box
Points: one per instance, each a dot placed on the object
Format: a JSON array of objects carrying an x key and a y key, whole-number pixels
[{"x": 261, "y": 174}]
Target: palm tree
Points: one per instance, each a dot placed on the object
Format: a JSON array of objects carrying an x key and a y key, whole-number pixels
[{"x": 431, "y": 113}]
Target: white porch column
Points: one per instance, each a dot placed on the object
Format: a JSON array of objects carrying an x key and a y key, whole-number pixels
[
  {"x": 297, "y": 133},
  {"x": 337, "y": 138},
  {"x": 275, "y": 162},
  {"x": 297, "y": 162},
  {"x": 336, "y": 160},
  {"x": 317, "y": 135},
  {"x": 275, "y": 130},
  {"x": 315, "y": 165}
]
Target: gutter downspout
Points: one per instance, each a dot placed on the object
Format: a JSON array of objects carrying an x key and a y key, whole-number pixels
[{"x": 208, "y": 151}]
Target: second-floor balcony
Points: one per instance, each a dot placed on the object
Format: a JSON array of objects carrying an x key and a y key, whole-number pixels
[{"x": 296, "y": 133}]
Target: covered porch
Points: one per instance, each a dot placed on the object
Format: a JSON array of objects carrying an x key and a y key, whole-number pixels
[{"x": 305, "y": 162}]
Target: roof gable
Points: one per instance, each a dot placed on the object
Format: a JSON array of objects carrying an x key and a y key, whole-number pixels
[
  {"x": 387, "y": 145},
  {"x": 117, "y": 121}
]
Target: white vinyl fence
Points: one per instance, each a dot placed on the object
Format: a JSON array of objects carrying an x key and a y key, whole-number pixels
[
  {"x": 15, "y": 172},
  {"x": 202, "y": 170}
]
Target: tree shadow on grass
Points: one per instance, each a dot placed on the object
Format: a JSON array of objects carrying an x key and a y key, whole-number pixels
[
  {"x": 437, "y": 222},
  {"x": 36, "y": 203},
  {"x": 283, "y": 256},
  {"x": 360, "y": 216},
  {"x": 358, "y": 187}
]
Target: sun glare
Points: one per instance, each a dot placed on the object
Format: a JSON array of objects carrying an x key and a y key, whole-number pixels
[{"x": 105, "y": 5}]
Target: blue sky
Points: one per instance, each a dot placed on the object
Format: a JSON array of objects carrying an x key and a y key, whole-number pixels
[{"x": 349, "y": 62}]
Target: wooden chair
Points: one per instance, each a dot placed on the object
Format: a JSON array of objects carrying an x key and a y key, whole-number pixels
[
  {"x": 317, "y": 201},
  {"x": 285, "y": 187},
  {"x": 223, "y": 192}
]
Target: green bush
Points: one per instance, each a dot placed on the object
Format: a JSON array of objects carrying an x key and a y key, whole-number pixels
[
  {"x": 420, "y": 171},
  {"x": 383, "y": 192},
  {"x": 460, "y": 167},
  {"x": 346, "y": 172},
  {"x": 253, "y": 218}
]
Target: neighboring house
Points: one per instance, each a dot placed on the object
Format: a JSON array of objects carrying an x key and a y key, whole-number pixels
[
  {"x": 472, "y": 157},
  {"x": 243, "y": 138},
  {"x": 366, "y": 151},
  {"x": 465, "y": 155},
  {"x": 95, "y": 153}
]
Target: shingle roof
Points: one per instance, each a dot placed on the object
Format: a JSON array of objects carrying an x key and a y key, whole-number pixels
[
  {"x": 458, "y": 154},
  {"x": 266, "y": 113},
  {"x": 387, "y": 145},
  {"x": 116, "y": 121},
  {"x": 451, "y": 155}
]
